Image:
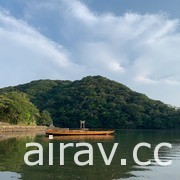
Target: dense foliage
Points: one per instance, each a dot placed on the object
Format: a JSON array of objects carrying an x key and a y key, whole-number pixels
[
  {"x": 101, "y": 102},
  {"x": 15, "y": 108}
]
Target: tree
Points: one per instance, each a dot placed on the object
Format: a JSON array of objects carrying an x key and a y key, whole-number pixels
[
  {"x": 15, "y": 108},
  {"x": 45, "y": 118}
]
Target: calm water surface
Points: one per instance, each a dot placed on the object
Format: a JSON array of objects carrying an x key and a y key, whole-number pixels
[{"x": 12, "y": 150}]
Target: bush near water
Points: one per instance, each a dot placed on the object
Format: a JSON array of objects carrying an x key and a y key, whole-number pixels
[
  {"x": 16, "y": 108},
  {"x": 101, "y": 102}
]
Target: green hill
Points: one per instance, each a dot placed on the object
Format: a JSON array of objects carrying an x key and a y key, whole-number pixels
[{"x": 101, "y": 102}]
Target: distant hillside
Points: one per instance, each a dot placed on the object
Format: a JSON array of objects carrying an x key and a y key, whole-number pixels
[{"x": 101, "y": 102}]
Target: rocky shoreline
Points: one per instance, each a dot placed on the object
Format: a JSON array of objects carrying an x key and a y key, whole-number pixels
[{"x": 24, "y": 129}]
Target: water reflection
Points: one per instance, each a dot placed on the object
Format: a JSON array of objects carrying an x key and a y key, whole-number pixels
[
  {"x": 12, "y": 151},
  {"x": 73, "y": 138},
  {"x": 9, "y": 175}
]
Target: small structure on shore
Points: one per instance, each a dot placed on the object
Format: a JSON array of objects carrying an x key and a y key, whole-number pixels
[{"x": 82, "y": 125}]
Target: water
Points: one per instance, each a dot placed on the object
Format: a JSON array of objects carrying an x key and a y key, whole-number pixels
[{"x": 12, "y": 150}]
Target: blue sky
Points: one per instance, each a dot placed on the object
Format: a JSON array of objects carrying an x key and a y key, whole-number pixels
[{"x": 136, "y": 43}]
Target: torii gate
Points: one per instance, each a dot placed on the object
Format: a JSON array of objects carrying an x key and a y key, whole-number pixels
[{"x": 82, "y": 125}]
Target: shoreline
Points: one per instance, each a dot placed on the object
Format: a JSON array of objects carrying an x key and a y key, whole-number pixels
[{"x": 17, "y": 129}]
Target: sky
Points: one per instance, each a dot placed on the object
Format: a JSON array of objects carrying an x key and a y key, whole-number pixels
[{"x": 136, "y": 43}]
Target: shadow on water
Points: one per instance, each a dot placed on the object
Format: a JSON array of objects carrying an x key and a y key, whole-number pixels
[{"x": 12, "y": 152}]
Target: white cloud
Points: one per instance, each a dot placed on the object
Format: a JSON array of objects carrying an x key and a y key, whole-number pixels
[
  {"x": 143, "y": 78},
  {"x": 78, "y": 10},
  {"x": 141, "y": 51},
  {"x": 26, "y": 54}
]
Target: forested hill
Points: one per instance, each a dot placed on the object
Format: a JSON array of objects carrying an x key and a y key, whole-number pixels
[{"x": 101, "y": 102}]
